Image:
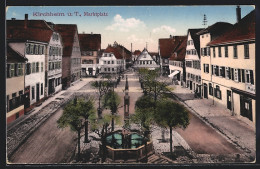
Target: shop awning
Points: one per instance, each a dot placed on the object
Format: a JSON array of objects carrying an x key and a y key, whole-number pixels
[{"x": 174, "y": 73}]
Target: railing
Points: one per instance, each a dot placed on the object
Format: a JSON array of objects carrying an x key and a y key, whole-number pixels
[{"x": 135, "y": 154}]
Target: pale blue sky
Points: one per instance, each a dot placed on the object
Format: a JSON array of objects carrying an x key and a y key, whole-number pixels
[{"x": 136, "y": 25}]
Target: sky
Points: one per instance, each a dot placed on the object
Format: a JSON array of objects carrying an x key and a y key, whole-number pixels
[{"x": 139, "y": 25}]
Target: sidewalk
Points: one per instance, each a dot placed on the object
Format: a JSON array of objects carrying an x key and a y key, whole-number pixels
[
  {"x": 20, "y": 130},
  {"x": 239, "y": 131}
]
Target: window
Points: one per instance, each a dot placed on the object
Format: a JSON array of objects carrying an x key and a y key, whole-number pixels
[
  {"x": 243, "y": 75},
  {"x": 210, "y": 89},
  {"x": 37, "y": 66},
  {"x": 33, "y": 93},
  {"x": 202, "y": 52},
  {"x": 31, "y": 48},
  {"x": 41, "y": 88},
  {"x": 28, "y": 68},
  {"x": 28, "y": 48},
  {"x": 249, "y": 76},
  {"x": 36, "y": 49},
  {"x": 108, "y": 69},
  {"x": 105, "y": 69},
  {"x": 112, "y": 62},
  {"x": 232, "y": 73},
  {"x": 226, "y": 51},
  {"x": 20, "y": 69},
  {"x": 235, "y": 51},
  {"x": 206, "y": 68},
  {"x": 218, "y": 92},
  {"x": 227, "y": 72},
  {"x": 41, "y": 66},
  {"x": 208, "y": 51},
  {"x": 12, "y": 70},
  {"x": 222, "y": 71},
  {"x": 214, "y": 53},
  {"x": 113, "y": 69},
  {"x": 33, "y": 67},
  {"x": 219, "y": 51},
  {"x": 43, "y": 50},
  {"x": 108, "y": 62},
  {"x": 246, "y": 51}
]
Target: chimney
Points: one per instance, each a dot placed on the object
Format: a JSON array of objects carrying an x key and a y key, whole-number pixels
[
  {"x": 13, "y": 18},
  {"x": 238, "y": 13},
  {"x": 25, "y": 20}
]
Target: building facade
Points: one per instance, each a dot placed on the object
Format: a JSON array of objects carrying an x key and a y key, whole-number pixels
[
  {"x": 15, "y": 81},
  {"x": 177, "y": 61},
  {"x": 71, "y": 55},
  {"x": 90, "y": 46},
  {"x": 232, "y": 69},
  {"x": 192, "y": 62},
  {"x": 112, "y": 61},
  {"x": 145, "y": 60},
  {"x": 54, "y": 64}
]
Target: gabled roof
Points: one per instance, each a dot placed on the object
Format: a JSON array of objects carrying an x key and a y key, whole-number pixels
[
  {"x": 14, "y": 56},
  {"x": 167, "y": 45},
  {"x": 137, "y": 52},
  {"x": 216, "y": 29},
  {"x": 180, "y": 50},
  {"x": 196, "y": 39},
  {"x": 90, "y": 42},
  {"x": 35, "y": 30},
  {"x": 119, "y": 51},
  {"x": 67, "y": 32},
  {"x": 113, "y": 50},
  {"x": 242, "y": 31},
  {"x": 123, "y": 51}
]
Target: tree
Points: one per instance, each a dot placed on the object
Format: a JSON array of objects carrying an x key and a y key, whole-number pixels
[
  {"x": 171, "y": 114},
  {"x": 152, "y": 84},
  {"x": 101, "y": 128},
  {"x": 103, "y": 87},
  {"x": 71, "y": 118},
  {"x": 86, "y": 109},
  {"x": 144, "y": 116},
  {"x": 112, "y": 101}
]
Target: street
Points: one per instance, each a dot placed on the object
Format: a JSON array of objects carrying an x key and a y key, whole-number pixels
[{"x": 49, "y": 144}]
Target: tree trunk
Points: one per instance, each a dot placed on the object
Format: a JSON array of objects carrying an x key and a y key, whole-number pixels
[
  {"x": 78, "y": 145},
  {"x": 86, "y": 131},
  {"x": 145, "y": 149},
  {"x": 171, "y": 141}
]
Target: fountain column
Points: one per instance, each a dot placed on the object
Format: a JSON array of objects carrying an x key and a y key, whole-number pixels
[{"x": 126, "y": 106}]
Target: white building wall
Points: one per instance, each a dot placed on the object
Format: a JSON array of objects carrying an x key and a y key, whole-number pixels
[{"x": 36, "y": 78}]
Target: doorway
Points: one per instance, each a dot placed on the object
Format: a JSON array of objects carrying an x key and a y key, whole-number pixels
[
  {"x": 37, "y": 92},
  {"x": 229, "y": 99},
  {"x": 205, "y": 88}
]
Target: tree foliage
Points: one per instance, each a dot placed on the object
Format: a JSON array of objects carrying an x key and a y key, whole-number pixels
[{"x": 171, "y": 114}]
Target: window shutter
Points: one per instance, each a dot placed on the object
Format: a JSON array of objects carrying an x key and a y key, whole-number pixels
[
  {"x": 224, "y": 74},
  {"x": 252, "y": 76},
  {"x": 243, "y": 75},
  {"x": 212, "y": 69},
  {"x": 16, "y": 69},
  {"x": 8, "y": 71},
  {"x": 232, "y": 73},
  {"x": 239, "y": 75},
  {"x": 229, "y": 73}
]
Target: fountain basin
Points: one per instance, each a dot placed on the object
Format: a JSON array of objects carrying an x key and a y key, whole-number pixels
[{"x": 126, "y": 151}]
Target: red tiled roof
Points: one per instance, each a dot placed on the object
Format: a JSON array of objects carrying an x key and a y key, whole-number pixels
[
  {"x": 180, "y": 50},
  {"x": 243, "y": 30},
  {"x": 123, "y": 51},
  {"x": 113, "y": 50},
  {"x": 168, "y": 45},
  {"x": 90, "y": 42},
  {"x": 67, "y": 32},
  {"x": 35, "y": 30},
  {"x": 137, "y": 52}
]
